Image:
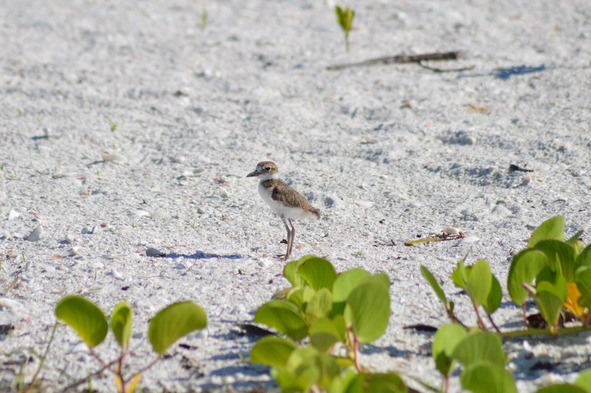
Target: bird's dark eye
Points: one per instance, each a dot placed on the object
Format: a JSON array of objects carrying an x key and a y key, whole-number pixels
[{"x": 267, "y": 168}]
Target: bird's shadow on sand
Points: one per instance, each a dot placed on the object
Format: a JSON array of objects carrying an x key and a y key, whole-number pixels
[{"x": 204, "y": 255}]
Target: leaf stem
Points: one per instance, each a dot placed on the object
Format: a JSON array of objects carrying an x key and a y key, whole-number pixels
[
  {"x": 544, "y": 332},
  {"x": 480, "y": 320},
  {"x": 42, "y": 360}
]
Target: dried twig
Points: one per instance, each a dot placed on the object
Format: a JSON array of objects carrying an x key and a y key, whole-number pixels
[{"x": 403, "y": 59}]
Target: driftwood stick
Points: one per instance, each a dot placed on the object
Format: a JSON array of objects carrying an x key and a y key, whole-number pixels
[{"x": 401, "y": 59}]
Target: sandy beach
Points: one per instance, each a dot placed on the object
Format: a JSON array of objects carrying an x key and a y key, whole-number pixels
[{"x": 131, "y": 125}]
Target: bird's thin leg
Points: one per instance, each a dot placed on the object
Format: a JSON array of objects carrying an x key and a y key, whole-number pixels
[
  {"x": 286, "y": 223},
  {"x": 292, "y": 235}
]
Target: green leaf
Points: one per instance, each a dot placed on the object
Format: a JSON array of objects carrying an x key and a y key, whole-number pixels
[
  {"x": 349, "y": 382},
  {"x": 583, "y": 281},
  {"x": 379, "y": 278},
  {"x": 284, "y": 317},
  {"x": 311, "y": 367},
  {"x": 584, "y": 380},
  {"x": 368, "y": 310},
  {"x": 584, "y": 257},
  {"x": 552, "y": 228},
  {"x": 383, "y": 383},
  {"x": 480, "y": 347},
  {"x": 272, "y": 351},
  {"x": 296, "y": 296},
  {"x": 564, "y": 388},
  {"x": 460, "y": 275},
  {"x": 343, "y": 285},
  {"x": 434, "y": 285},
  {"x": 486, "y": 378},
  {"x": 84, "y": 317},
  {"x": 122, "y": 323},
  {"x": 524, "y": 268},
  {"x": 479, "y": 282},
  {"x": 561, "y": 257},
  {"x": 324, "y": 334},
  {"x": 557, "y": 288},
  {"x": 290, "y": 272},
  {"x": 173, "y": 322},
  {"x": 320, "y": 305},
  {"x": 317, "y": 272},
  {"x": 576, "y": 242},
  {"x": 495, "y": 296},
  {"x": 288, "y": 382},
  {"x": 550, "y": 306},
  {"x": 345, "y": 17},
  {"x": 444, "y": 344}
]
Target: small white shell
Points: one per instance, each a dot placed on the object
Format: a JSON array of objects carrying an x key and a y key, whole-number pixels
[
  {"x": 116, "y": 158},
  {"x": 364, "y": 204},
  {"x": 75, "y": 251},
  {"x": 140, "y": 213},
  {"x": 452, "y": 231}
]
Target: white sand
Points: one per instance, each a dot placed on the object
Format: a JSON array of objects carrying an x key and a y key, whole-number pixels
[{"x": 387, "y": 153}]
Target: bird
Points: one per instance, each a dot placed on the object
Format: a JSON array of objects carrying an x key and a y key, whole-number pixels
[{"x": 286, "y": 202}]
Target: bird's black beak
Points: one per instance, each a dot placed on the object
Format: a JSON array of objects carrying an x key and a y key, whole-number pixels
[{"x": 252, "y": 174}]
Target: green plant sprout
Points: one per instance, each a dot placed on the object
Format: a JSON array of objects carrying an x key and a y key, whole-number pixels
[
  {"x": 345, "y": 20},
  {"x": 335, "y": 312},
  {"x": 113, "y": 126},
  {"x": 203, "y": 18},
  {"x": 90, "y": 323}
]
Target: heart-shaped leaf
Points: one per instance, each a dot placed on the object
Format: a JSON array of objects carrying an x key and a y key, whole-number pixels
[
  {"x": 324, "y": 334},
  {"x": 284, "y": 317},
  {"x": 368, "y": 310},
  {"x": 173, "y": 322},
  {"x": 480, "y": 347},
  {"x": 479, "y": 282},
  {"x": 552, "y": 228},
  {"x": 486, "y": 378},
  {"x": 122, "y": 323},
  {"x": 317, "y": 272},
  {"x": 84, "y": 317},
  {"x": 495, "y": 296},
  {"x": 272, "y": 351},
  {"x": 320, "y": 305},
  {"x": 444, "y": 344},
  {"x": 561, "y": 257},
  {"x": 524, "y": 268}
]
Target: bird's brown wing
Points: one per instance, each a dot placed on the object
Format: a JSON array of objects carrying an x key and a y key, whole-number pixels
[{"x": 288, "y": 196}]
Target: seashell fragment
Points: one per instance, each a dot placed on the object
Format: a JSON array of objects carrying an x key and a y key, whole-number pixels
[{"x": 116, "y": 158}]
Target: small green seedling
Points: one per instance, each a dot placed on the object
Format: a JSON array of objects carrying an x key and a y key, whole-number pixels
[
  {"x": 90, "y": 323},
  {"x": 112, "y": 125},
  {"x": 203, "y": 18},
  {"x": 345, "y": 19}
]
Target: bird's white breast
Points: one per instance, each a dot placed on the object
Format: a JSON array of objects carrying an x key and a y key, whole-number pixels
[{"x": 279, "y": 208}]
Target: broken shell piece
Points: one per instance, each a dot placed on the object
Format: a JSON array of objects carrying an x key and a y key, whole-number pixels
[
  {"x": 13, "y": 214},
  {"x": 116, "y": 158},
  {"x": 364, "y": 204},
  {"x": 139, "y": 213},
  {"x": 452, "y": 231},
  {"x": 75, "y": 251}
]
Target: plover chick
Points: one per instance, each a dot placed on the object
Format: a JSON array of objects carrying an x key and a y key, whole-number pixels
[{"x": 286, "y": 202}]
